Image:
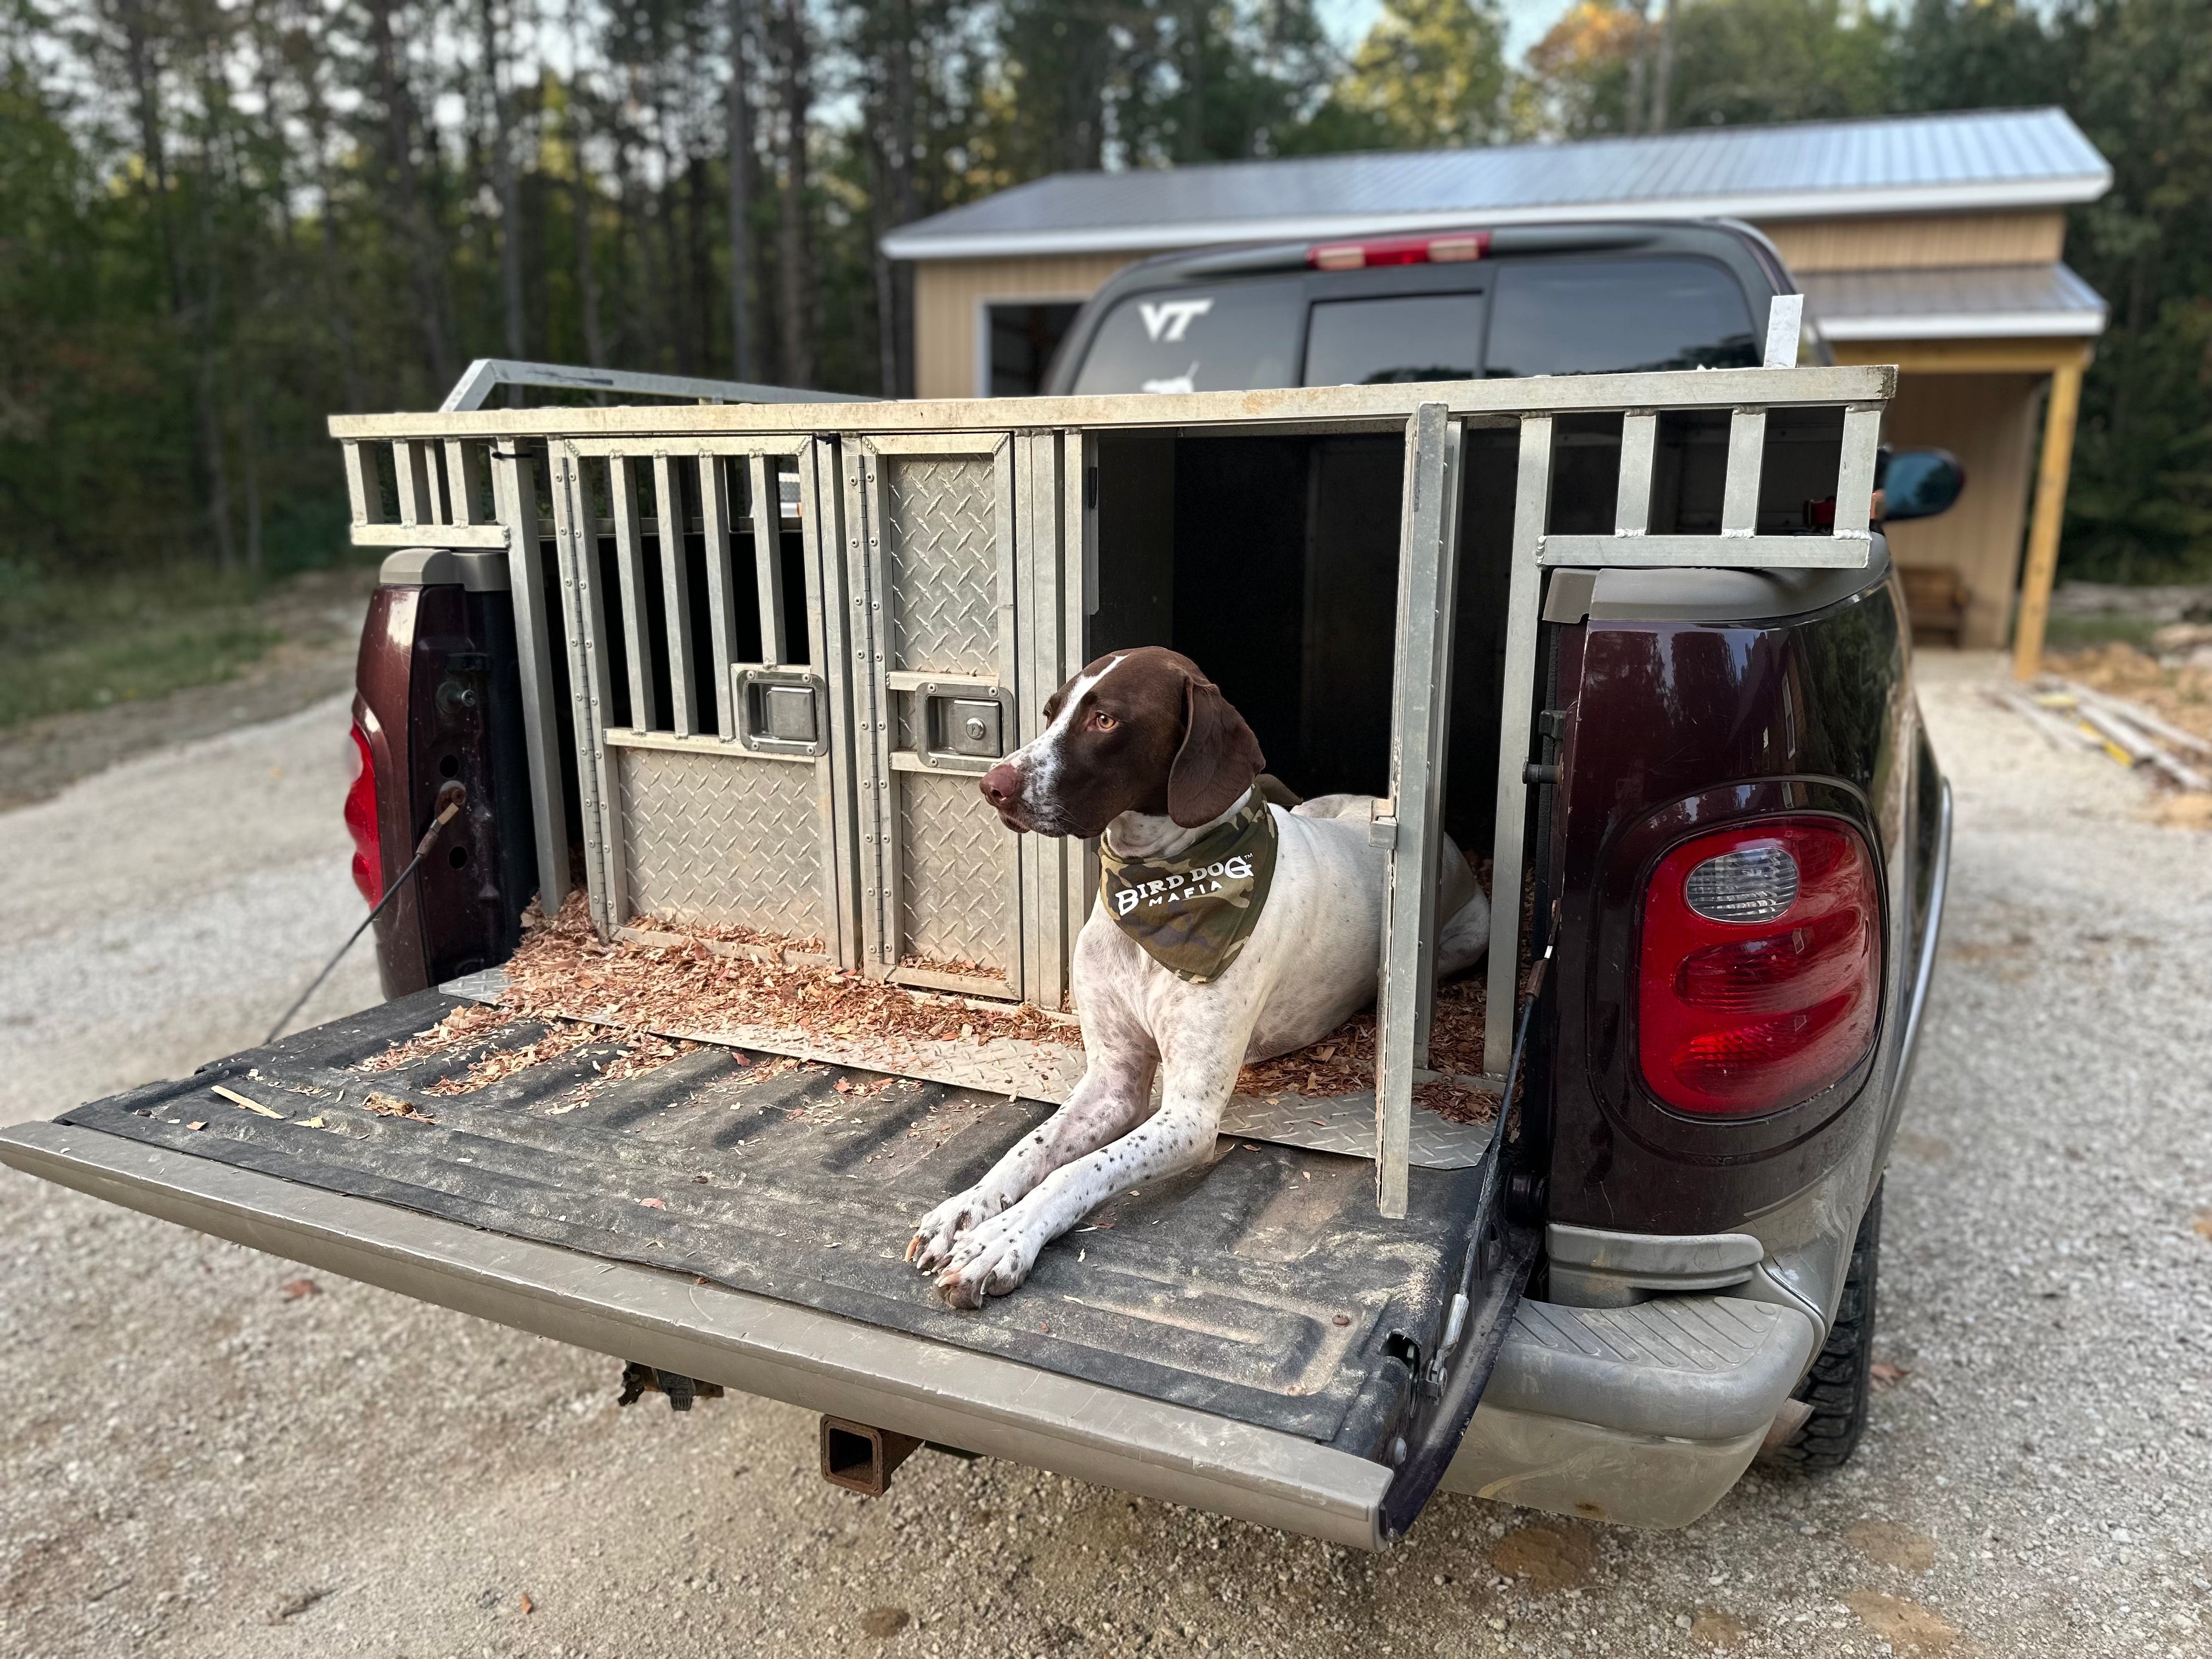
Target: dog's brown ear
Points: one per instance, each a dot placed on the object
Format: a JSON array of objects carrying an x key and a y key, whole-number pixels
[{"x": 1218, "y": 759}]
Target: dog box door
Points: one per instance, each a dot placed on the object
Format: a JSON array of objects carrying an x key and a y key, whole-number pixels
[
  {"x": 1428, "y": 558},
  {"x": 708, "y": 679},
  {"x": 954, "y": 558}
]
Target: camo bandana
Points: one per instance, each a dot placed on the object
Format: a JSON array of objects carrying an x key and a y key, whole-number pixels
[{"x": 1193, "y": 914}]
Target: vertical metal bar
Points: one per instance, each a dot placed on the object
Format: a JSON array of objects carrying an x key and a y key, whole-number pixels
[
  {"x": 1439, "y": 750},
  {"x": 1746, "y": 451},
  {"x": 830, "y": 625},
  {"x": 1010, "y": 539},
  {"x": 1417, "y": 722},
  {"x": 721, "y": 601},
  {"x": 867, "y": 533},
  {"x": 514, "y": 496},
  {"x": 363, "y": 493},
  {"x": 1039, "y": 577},
  {"x": 630, "y": 565},
  {"x": 407, "y": 469},
  {"x": 1079, "y": 592},
  {"x": 576, "y": 540},
  {"x": 1855, "y": 476},
  {"x": 1639, "y": 441},
  {"x": 675, "y": 594},
  {"x": 1532, "y": 505},
  {"x": 767, "y": 510},
  {"x": 1005, "y": 536},
  {"x": 465, "y": 481}
]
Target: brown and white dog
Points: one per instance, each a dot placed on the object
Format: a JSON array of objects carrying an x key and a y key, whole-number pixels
[{"x": 1142, "y": 748}]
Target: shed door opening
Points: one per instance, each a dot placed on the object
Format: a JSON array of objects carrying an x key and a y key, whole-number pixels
[{"x": 1021, "y": 339}]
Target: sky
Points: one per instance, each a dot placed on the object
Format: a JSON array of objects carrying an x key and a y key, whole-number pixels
[{"x": 1347, "y": 20}]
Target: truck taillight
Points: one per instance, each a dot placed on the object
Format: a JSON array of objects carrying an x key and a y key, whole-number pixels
[
  {"x": 361, "y": 816},
  {"x": 1452, "y": 247},
  {"x": 1759, "y": 971}
]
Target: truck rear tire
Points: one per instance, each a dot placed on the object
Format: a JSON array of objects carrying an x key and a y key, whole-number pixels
[{"x": 1836, "y": 1387}]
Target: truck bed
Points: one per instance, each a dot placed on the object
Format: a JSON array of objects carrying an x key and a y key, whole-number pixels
[{"x": 1264, "y": 1288}]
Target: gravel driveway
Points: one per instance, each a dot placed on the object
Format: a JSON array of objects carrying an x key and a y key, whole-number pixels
[{"x": 209, "y": 1456}]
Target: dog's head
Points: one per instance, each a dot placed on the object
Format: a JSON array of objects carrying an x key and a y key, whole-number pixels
[{"x": 1140, "y": 731}]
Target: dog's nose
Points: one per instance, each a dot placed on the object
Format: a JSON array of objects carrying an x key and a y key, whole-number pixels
[{"x": 1001, "y": 785}]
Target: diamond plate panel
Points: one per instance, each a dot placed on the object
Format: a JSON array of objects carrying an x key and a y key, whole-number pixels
[
  {"x": 958, "y": 892},
  {"x": 941, "y": 562},
  {"x": 722, "y": 839}
]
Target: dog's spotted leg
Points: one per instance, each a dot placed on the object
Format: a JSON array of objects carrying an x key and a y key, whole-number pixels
[
  {"x": 1201, "y": 1063},
  {"x": 997, "y": 1255},
  {"x": 1112, "y": 1095}
]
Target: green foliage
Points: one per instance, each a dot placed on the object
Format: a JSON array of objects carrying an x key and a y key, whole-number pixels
[
  {"x": 1744, "y": 61},
  {"x": 1430, "y": 75},
  {"x": 222, "y": 220},
  {"x": 77, "y": 643}
]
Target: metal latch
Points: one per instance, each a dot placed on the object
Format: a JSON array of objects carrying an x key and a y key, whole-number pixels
[
  {"x": 780, "y": 711},
  {"x": 960, "y": 725}
]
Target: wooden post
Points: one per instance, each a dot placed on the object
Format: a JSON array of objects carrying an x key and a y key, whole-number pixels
[{"x": 2050, "y": 509}]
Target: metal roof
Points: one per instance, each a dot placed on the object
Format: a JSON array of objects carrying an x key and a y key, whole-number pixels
[
  {"x": 1974, "y": 302},
  {"x": 1980, "y": 159}
]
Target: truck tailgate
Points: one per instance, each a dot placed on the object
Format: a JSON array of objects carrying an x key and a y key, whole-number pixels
[{"x": 1263, "y": 1291}]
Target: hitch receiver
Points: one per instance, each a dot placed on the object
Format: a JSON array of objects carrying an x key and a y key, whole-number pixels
[{"x": 860, "y": 1458}]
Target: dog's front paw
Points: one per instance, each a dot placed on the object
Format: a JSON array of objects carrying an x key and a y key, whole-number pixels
[
  {"x": 993, "y": 1260},
  {"x": 946, "y": 1225}
]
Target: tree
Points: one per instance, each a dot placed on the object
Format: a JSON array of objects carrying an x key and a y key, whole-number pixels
[{"x": 1429, "y": 75}]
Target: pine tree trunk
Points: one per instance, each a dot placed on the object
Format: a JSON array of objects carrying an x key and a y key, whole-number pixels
[
  {"x": 1633, "y": 114},
  {"x": 741, "y": 200},
  {"x": 503, "y": 184},
  {"x": 794, "y": 251},
  {"x": 582, "y": 200},
  {"x": 1662, "y": 85},
  {"x": 417, "y": 233}
]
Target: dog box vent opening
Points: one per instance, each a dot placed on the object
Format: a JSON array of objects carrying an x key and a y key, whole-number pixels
[{"x": 1272, "y": 561}]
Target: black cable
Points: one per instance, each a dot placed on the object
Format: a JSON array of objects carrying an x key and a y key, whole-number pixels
[{"x": 452, "y": 796}]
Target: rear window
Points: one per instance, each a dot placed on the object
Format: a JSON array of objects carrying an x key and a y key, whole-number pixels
[
  {"x": 1238, "y": 337},
  {"x": 1608, "y": 316},
  {"x": 1415, "y": 337}
]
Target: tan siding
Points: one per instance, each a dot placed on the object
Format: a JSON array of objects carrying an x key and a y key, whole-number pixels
[
  {"x": 1937, "y": 240},
  {"x": 1987, "y": 421},
  {"x": 947, "y": 292}
]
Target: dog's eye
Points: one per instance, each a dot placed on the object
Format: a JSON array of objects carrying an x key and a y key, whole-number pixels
[{"x": 1102, "y": 720}]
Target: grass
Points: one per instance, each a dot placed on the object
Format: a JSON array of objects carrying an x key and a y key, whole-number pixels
[
  {"x": 80, "y": 644},
  {"x": 2081, "y": 633}
]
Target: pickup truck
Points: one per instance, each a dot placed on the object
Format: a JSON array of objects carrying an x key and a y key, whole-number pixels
[{"x": 1541, "y": 537}]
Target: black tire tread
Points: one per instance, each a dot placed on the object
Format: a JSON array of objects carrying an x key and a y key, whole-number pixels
[{"x": 1836, "y": 1386}]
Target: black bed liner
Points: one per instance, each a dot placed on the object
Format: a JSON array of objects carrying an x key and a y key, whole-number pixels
[{"x": 1264, "y": 1288}]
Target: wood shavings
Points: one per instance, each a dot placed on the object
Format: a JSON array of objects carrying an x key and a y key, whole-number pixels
[
  {"x": 1343, "y": 1062},
  {"x": 472, "y": 1020},
  {"x": 238, "y": 1099},
  {"x": 563, "y": 971},
  {"x": 386, "y": 1105}
]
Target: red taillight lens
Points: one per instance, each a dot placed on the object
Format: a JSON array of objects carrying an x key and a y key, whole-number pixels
[
  {"x": 360, "y": 817},
  {"x": 1450, "y": 248},
  {"x": 1761, "y": 966}
]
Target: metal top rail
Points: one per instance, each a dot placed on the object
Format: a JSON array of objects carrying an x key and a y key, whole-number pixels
[
  {"x": 481, "y": 377},
  {"x": 1336, "y": 405}
]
